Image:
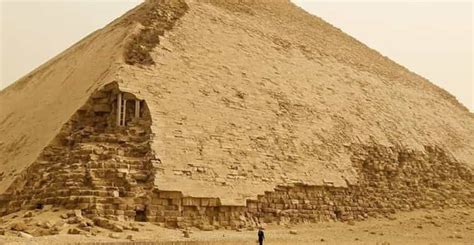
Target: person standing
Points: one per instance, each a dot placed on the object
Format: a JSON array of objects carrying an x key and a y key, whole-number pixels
[{"x": 261, "y": 236}]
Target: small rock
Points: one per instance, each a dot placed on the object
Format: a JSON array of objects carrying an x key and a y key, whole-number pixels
[
  {"x": 2, "y": 232},
  {"x": 47, "y": 207},
  {"x": 293, "y": 232},
  {"x": 186, "y": 233},
  {"x": 207, "y": 227},
  {"x": 458, "y": 236},
  {"x": 436, "y": 224},
  {"x": 114, "y": 235},
  {"x": 77, "y": 213},
  {"x": 28, "y": 214},
  {"x": 351, "y": 222},
  {"x": 19, "y": 226},
  {"x": 74, "y": 231},
  {"x": 74, "y": 213},
  {"x": 391, "y": 217},
  {"x": 56, "y": 230},
  {"x": 101, "y": 222},
  {"x": 116, "y": 228},
  {"x": 47, "y": 225},
  {"x": 112, "y": 217},
  {"x": 322, "y": 240},
  {"x": 87, "y": 228},
  {"x": 135, "y": 229},
  {"x": 63, "y": 216},
  {"x": 82, "y": 224},
  {"x": 130, "y": 237},
  {"x": 24, "y": 235},
  {"x": 60, "y": 224},
  {"x": 75, "y": 220},
  {"x": 419, "y": 226}
]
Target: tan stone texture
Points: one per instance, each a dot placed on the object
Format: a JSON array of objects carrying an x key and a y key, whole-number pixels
[{"x": 251, "y": 112}]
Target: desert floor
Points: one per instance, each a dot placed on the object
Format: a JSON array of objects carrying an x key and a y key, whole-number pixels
[{"x": 452, "y": 226}]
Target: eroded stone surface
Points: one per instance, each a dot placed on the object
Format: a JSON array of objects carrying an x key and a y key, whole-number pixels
[
  {"x": 107, "y": 173},
  {"x": 240, "y": 99}
]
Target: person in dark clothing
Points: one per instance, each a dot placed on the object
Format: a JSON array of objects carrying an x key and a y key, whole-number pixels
[{"x": 261, "y": 236}]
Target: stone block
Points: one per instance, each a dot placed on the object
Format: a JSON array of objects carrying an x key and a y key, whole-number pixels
[
  {"x": 102, "y": 108},
  {"x": 191, "y": 201},
  {"x": 170, "y": 194}
]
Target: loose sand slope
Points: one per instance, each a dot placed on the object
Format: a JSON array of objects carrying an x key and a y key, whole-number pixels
[{"x": 243, "y": 97}]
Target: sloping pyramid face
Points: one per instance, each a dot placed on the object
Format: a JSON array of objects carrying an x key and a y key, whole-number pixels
[{"x": 211, "y": 113}]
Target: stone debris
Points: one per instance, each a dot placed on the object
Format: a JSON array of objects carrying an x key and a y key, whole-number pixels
[
  {"x": 293, "y": 232},
  {"x": 24, "y": 235},
  {"x": 116, "y": 228},
  {"x": 19, "y": 226},
  {"x": 28, "y": 214},
  {"x": 75, "y": 220},
  {"x": 47, "y": 225},
  {"x": 74, "y": 231}
]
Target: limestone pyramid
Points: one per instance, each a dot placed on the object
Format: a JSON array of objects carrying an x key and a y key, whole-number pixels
[{"x": 231, "y": 113}]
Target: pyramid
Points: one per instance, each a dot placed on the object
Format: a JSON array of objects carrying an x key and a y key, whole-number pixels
[{"x": 230, "y": 113}]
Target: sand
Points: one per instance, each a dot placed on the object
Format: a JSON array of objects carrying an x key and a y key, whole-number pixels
[{"x": 452, "y": 226}]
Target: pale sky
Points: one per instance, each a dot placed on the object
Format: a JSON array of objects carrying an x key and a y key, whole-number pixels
[{"x": 431, "y": 38}]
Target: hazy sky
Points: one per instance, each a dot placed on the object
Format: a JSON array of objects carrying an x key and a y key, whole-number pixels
[{"x": 431, "y": 38}]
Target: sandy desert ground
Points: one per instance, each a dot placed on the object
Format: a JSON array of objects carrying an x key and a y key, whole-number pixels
[{"x": 453, "y": 226}]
